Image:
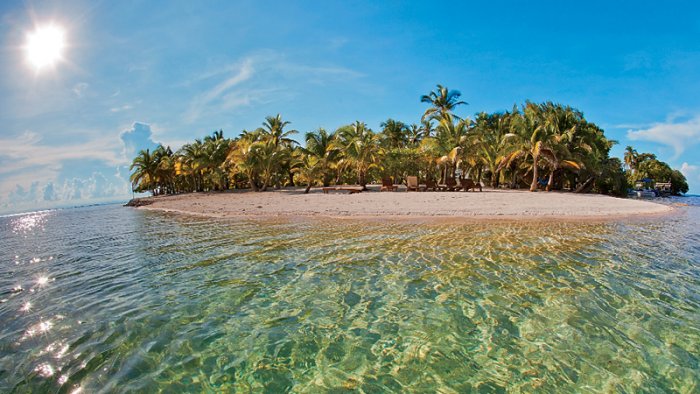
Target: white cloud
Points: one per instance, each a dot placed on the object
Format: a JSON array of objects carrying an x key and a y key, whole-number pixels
[
  {"x": 691, "y": 172},
  {"x": 80, "y": 88},
  {"x": 35, "y": 172},
  {"x": 73, "y": 191},
  {"x": 136, "y": 138},
  {"x": 27, "y": 151},
  {"x": 124, "y": 107},
  {"x": 678, "y": 134}
]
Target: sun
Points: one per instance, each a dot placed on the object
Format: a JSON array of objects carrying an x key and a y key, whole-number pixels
[{"x": 44, "y": 46}]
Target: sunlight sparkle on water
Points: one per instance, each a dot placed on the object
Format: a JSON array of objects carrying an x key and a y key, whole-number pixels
[
  {"x": 39, "y": 328},
  {"x": 45, "y": 326},
  {"x": 42, "y": 280},
  {"x": 27, "y": 223},
  {"x": 44, "y": 370}
]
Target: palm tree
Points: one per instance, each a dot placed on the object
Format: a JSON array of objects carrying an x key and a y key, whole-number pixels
[
  {"x": 447, "y": 146},
  {"x": 319, "y": 145},
  {"x": 273, "y": 129},
  {"x": 359, "y": 147},
  {"x": 309, "y": 167},
  {"x": 562, "y": 125},
  {"x": 193, "y": 162},
  {"x": 215, "y": 150},
  {"x": 415, "y": 134},
  {"x": 488, "y": 139},
  {"x": 631, "y": 158},
  {"x": 528, "y": 139},
  {"x": 144, "y": 167},
  {"x": 165, "y": 173},
  {"x": 442, "y": 102},
  {"x": 394, "y": 133},
  {"x": 242, "y": 158}
]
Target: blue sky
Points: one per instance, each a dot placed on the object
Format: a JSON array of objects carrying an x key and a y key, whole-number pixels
[{"x": 139, "y": 72}]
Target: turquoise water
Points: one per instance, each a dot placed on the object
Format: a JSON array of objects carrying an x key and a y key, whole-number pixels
[{"x": 114, "y": 299}]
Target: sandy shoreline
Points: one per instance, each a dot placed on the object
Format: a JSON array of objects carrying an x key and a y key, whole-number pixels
[{"x": 486, "y": 205}]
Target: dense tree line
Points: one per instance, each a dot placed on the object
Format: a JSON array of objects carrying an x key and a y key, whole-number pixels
[{"x": 537, "y": 145}]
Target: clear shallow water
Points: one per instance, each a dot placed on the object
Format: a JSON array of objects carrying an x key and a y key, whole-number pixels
[{"x": 115, "y": 299}]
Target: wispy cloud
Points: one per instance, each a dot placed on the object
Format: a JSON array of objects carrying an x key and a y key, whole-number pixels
[
  {"x": 80, "y": 88},
  {"x": 263, "y": 77},
  {"x": 679, "y": 134},
  {"x": 200, "y": 102},
  {"x": 124, "y": 107}
]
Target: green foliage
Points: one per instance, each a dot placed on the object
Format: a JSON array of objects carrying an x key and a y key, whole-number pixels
[
  {"x": 678, "y": 183},
  {"x": 612, "y": 179},
  {"x": 648, "y": 166},
  {"x": 548, "y": 146}
]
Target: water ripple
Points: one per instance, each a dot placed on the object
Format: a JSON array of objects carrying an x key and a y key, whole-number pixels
[{"x": 114, "y": 299}]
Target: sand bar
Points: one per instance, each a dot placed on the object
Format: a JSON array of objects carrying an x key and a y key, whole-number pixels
[{"x": 486, "y": 205}]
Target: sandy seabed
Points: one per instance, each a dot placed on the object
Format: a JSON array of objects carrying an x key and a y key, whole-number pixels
[{"x": 486, "y": 205}]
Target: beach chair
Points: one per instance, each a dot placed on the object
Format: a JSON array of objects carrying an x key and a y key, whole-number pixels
[
  {"x": 388, "y": 185},
  {"x": 431, "y": 185},
  {"x": 468, "y": 184},
  {"x": 412, "y": 184}
]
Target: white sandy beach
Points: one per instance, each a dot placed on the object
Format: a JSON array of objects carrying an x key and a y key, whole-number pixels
[{"x": 489, "y": 204}]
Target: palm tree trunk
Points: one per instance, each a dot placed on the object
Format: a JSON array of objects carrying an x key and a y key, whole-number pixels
[
  {"x": 533, "y": 185},
  {"x": 551, "y": 181},
  {"x": 308, "y": 188}
]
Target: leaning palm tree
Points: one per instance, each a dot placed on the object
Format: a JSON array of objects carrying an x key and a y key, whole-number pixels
[
  {"x": 359, "y": 147},
  {"x": 442, "y": 102},
  {"x": 562, "y": 124},
  {"x": 308, "y": 167},
  {"x": 144, "y": 167},
  {"x": 528, "y": 139}
]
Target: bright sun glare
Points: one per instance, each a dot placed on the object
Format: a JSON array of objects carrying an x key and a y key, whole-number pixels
[{"x": 45, "y": 46}]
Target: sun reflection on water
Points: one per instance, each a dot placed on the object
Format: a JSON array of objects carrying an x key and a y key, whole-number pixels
[
  {"x": 42, "y": 327},
  {"x": 45, "y": 370},
  {"x": 30, "y": 222}
]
